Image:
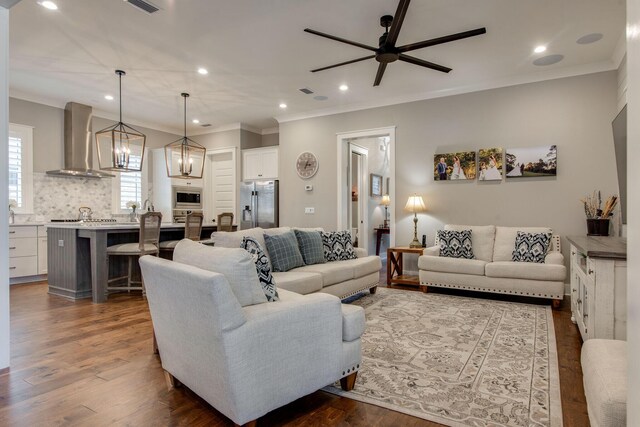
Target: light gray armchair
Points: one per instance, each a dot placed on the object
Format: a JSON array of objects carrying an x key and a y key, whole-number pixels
[{"x": 247, "y": 361}]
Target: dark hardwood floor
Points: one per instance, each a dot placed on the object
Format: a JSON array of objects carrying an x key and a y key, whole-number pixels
[{"x": 77, "y": 363}]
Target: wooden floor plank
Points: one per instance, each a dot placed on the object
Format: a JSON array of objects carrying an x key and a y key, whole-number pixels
[{"x": 81, "y": 364}]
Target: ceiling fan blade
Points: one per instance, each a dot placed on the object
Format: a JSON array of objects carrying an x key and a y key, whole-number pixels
[
  {"x": 344, "y": 63},
  {"x": 381, "y": 68},
  {"x": 423, "y": 63},
  {"x": 441, "y": 40},
  {"x": 396, "y": 24},
  {"x": 339, "y": 39}
]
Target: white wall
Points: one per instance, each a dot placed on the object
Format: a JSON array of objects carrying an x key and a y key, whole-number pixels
[
  {"x": 574, "y": 113},
  {"x": 633, "y": 206},
  {"x": 4, "y": 188}
]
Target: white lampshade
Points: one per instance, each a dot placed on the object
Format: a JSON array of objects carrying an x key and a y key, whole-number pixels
[
  {"x": 386, "y": 201},
  {"x": 415, "y": 204}
]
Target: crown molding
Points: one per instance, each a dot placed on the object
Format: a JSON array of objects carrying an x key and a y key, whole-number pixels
[
  {"x": 270, "y": 131},
  {"x": 554, "y": 74},
  {"x": 620, "y": 51}
]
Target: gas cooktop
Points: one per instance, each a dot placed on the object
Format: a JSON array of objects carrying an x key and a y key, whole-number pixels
[{"x": 96, "y": 220}]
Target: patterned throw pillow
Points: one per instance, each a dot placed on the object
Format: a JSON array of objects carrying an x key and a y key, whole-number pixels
[
  {"x": 283, "y": 251},
  {"x": 337, "y": 246},
  {"x": 267, "y": 281},
  {"x": 455, "y": 244},
  {"x": 310, "y": 243},
  {"x": 531, "y": 247}
]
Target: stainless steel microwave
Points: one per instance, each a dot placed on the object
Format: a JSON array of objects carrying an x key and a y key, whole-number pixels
[{"x": 187, "y": 198}]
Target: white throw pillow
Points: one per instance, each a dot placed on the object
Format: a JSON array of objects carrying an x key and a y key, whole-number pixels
[{"x": 235, "y": 264}]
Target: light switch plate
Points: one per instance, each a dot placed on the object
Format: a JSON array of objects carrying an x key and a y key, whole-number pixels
[{"x": 309, "y": 211}]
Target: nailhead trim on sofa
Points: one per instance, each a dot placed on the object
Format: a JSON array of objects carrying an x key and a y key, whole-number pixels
[{"x": 499, "y": 291}]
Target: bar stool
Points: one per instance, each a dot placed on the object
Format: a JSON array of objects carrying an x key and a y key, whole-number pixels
[
  {"x": 225, "y": 221},
  {"x": 192, "y": 231},
  {"x": 147, "y": 245}
]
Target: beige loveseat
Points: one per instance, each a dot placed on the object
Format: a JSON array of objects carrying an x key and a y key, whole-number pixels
[
  {"x": 493, "y": 270},
  {"x": 340, "y": 278}
]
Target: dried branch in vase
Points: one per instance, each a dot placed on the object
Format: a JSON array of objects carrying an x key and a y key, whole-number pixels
[{"x": 593, "y": 206}]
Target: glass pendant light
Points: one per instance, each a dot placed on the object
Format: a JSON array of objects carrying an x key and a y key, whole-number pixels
[
  {"x": 185, "y": 157},
  {"x": 120, "y": 147}
]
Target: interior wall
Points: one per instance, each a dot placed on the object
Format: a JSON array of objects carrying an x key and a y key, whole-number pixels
[
  {"x": 575, "y": 113},
  {"x": 633, "y": 206},
  {"x": 250, "y": 139},
  {"x": 270, "y": 139},
  {"x": 4, "y": 189}
]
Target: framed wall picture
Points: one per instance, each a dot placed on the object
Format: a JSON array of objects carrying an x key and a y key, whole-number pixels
[
  {"x": 454, "y": 166},
  {"x": 375, "y": 185},
  {"x": 490, "y": 164},
  {"x": 532, "y": 162}
]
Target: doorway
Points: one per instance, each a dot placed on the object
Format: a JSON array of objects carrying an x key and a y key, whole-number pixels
[
  {"x": 220, "y": 184},
  {"x": 364, "y": 156}
]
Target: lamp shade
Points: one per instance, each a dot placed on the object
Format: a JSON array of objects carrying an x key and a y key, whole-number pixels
[
  {"x": 386, "y": 201},
  {"x": 415, "y": 204}
]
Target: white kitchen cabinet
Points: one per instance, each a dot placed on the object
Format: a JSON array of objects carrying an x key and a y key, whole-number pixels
[
  {"x": 27, "y": 253},
  {"x": 598, "y": 295},
  {"x": 260, "y": 163},
  {"x": 197, "y": 183}
]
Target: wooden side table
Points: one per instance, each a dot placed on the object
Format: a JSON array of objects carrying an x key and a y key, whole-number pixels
[
  {"x": 379, "y": 232},
  {"x": 394, "y": 267}
]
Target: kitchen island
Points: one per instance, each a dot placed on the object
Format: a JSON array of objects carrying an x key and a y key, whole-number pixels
[{"x": 78, "y": 266}]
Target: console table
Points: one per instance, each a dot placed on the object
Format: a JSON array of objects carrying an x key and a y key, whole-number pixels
[
  {"x": 379, "y": 232},
  {"x": 395, "y": 275},
  {"x": 599, "y": 286}
]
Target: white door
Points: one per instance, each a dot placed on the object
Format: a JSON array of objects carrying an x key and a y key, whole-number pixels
[
  {"x": 358, "y": 195},
  {"x": 223, "y": 187}
]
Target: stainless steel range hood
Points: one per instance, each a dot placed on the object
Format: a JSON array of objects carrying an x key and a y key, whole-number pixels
[{"x": 78, "y": 147}]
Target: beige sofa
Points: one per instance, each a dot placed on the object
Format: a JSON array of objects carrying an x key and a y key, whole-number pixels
[
  {"x": 492, "y": 270},
  {"x": 340, "y": 278}
]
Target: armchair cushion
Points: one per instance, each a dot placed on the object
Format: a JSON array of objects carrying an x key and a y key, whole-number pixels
[
  {"x": 234, "y": 263},
  {"x": 284, "y": 251},
  {"x": 452, "y": 265},
  {"x": 353, "y": 322},
  {"x": 263, "y": 269},
  {"x": 526, "y": 270}
]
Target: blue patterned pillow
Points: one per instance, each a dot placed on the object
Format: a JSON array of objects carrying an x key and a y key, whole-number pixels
[
  {"x": 283, "y": 251},
  {"x": 267, "y": 281},
  {"x": 455, "y": 244},
  {"x": 531, "y": 247},
  {"x": 337, "y": 246},
  {"x": 310, "y": 243}
]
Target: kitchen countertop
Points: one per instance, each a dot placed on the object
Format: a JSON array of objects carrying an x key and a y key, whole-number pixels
[
  {"x": 112, "y": 225},
  {"x": 600, "y": 246},
  {"x": 28, "y": 224}
]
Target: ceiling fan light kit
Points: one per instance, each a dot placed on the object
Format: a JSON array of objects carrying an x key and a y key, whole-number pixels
[
  {"x": 117, "y": 144},
  {"x": 185, "y": 157},
  {"x": 387, "y": 51}
]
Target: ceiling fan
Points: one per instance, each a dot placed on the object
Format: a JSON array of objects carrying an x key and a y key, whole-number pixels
[{"x": 387, "y": 51}]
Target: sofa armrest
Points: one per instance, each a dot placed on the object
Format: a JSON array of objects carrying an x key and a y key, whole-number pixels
[
  {"x": 361, "y": 252},
  {"x": 431, "y": 251},
  {"x": 554, "y": 258},
  {"x": 353, "y": 322}
]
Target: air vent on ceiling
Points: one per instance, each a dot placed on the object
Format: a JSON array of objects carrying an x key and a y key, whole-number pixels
[
  {"x": 206, "y": 125},
  {"x": 306, "y": 91},
  {"x": 143, "y": 5}
]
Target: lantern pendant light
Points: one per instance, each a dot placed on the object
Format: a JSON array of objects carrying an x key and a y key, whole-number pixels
[
  {"x": 185, "y": 157},
  {"x": 120, "y": 147}
]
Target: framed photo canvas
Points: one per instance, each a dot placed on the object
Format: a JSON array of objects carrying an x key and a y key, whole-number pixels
[
  {"x": 532, "y": 162},
  {"x": 375, "y": 185},
  {"x": 454, "y": 166},
  {"x": 490, "y": 164}
]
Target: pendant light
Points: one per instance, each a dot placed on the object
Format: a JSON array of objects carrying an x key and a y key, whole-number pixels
[
  {"x": 120, "y": 147},
  {"x": 185, "y": 157}
]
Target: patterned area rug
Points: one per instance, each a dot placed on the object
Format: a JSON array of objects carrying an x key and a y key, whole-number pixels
[{"x": 459, "y": 361}]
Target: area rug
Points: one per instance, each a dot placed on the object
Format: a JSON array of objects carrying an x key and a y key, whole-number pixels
[{"x": 458, "y": 361}]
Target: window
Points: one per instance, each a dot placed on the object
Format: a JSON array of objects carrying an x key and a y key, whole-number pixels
[
  {"x": 21, "y": 167},
  {"x": 130, "y": 186}
]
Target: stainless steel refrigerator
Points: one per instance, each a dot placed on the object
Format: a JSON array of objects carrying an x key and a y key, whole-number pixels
[{"x": 259, "y": 202}]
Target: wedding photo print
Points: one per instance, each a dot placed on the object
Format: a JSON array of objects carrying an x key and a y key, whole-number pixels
[
  {"x": 531, "y": 162},
  {"x": 490, "y": 164},
  {"x": 454, "y": 166}
]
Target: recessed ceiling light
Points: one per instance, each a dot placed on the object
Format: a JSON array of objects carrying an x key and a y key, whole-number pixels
[
  {"x": 540, "y": 49},
  {"x": 196, "y": 121},
  {"x": 283, "y": 105},
  {"x": 108, "y": 97},
  {"x": 203, "y": 71},
  {"x": 344, "y": 88},
  {"x": 49, "y": 5}
]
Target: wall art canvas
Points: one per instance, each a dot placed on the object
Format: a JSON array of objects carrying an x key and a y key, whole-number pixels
[
  {"x": 454, "y": 166},
  {"x": 490, "y": 164},
  {"x": 532, "y": 162}
]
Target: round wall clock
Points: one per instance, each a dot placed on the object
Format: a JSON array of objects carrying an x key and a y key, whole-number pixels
[{"x": 306, "y": 165}]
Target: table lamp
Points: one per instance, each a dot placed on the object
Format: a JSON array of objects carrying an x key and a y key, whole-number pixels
[
  {"x": 386, "y": 201},
  {"x": 415, "y": 204}
]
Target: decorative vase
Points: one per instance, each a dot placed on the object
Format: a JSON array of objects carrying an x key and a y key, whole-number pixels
[
  {"x": 132, "y": 216},
  {"x": 598, "y": 227}
]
